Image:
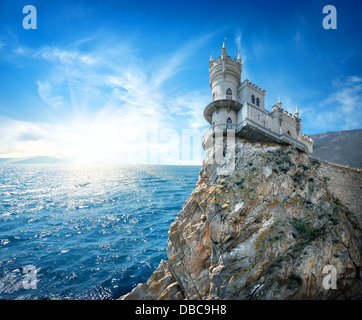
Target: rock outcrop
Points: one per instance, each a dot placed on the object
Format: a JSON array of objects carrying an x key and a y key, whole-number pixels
[{"x": 266, "y": 231}]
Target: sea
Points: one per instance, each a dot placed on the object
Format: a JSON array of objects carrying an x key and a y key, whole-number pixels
[{"x": 90, "y": 232}]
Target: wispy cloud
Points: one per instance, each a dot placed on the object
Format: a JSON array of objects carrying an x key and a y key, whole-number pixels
[
  {"x": 46, "y": 94},
  {"x": 25, "y": 139},
  {"x": 175, "y": 62},
  {"x": 191, "y": 107},
  {"x": 299, "y": 40},
  {"x": 341, "y": 110},
  {"x": 238, "y": 42},
  {"x": 116, "y": 103},
  {"x": 64, "y": 56},
  {"x": 288, "y": 104},
  {"x": 348, "y": 94},
  {"x": 237, "y": 39},
  {"x": 260, "y": 44}
]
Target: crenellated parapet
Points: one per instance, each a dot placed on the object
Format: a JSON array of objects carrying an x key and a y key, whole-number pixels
[{"x": 254, "y": 86}]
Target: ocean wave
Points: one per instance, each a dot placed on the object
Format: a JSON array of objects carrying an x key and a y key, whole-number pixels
[{"x": 90, "y": 233}]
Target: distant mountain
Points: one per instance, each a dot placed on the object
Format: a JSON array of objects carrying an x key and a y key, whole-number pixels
[
  {"x": 34, "y": 160},
  {"x": 2, "y": 160},
  {"x": 342, "y": 147}
]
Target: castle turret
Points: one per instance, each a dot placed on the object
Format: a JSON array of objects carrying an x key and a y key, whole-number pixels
[{"x": 225, "y": 76}]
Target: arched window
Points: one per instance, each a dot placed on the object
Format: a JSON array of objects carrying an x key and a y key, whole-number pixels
[
  {"x": 213, "y": 96},
  {"x": 252, "y": 99},
  {"x": 229, "y": 93},
  {"x": 229, "y": 123},
  {"x": 257, "y": 102}
]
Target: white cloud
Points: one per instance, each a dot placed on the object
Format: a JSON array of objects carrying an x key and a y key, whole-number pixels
[
  {"x": 135, "y": 115},
  {"x": 87, "y": 59},
  {"x": 341, "y": 110},
  {"x": 190, "y": 106},
  {"x": 348, "y": 94},
  {"x": 176, "y": 62},
  {"x": 239, "y": 45},
  {"x": 46, "y": 94},
  {"x": 288, "y": 104},
  {"x": 65, "y": 56},
  {"x": 25, "y": 139}
]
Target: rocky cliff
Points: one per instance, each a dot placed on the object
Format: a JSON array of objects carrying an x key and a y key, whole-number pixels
[{"x": 266, "y": 231}]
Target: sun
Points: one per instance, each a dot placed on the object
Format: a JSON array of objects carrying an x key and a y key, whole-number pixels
[{"x": 88, "y": 142}]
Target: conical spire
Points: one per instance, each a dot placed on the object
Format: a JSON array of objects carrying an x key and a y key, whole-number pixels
[
  {"x": 223, "y": 49},
  {"x": 239, "y": 59},
  {"x": 211, "y": 62},
  {"x": 279, "y": 102},
  {"x": 296, "y": 111}
]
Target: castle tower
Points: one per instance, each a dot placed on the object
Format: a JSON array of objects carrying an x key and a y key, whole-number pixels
[
  {"x": 225, "y": 80},
  {"x": 241, "y": 106}
]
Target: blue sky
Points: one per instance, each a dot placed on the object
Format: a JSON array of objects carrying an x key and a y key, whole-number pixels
[{"x": 100, "y": 80}]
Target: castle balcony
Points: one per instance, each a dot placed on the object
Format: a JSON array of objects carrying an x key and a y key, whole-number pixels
[
  {"x": 222, "y": 126},
  {"x": 230, "y": 102},
  {"x": 217, "y": 128},
  {"x": 255, "y": 132}
]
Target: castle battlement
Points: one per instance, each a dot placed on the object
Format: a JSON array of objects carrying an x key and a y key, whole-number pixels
[
  {"x": 308, "y": 138},
  {"x": 254, "y": 86},
  {"x": 288, "y": 114},
  {"x": 241, "y": 105}
]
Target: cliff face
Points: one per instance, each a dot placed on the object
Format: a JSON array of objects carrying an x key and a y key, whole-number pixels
[{"x": 264, "y": 232}]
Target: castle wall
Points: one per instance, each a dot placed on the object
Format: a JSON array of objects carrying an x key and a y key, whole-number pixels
[
  {"x": 289, "y": 125},
  {"x": 247, "y": 89},
  {"x": 259, "y": 116},
  {"x": 219, "y": 86},
  {"x": 222, "y": 115},
  {"x": 308, "y": 142},
  {"x": 242, "y": 113}
]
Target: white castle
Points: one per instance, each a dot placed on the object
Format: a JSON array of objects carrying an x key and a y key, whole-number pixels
[{"x": 240, "y": 106}]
